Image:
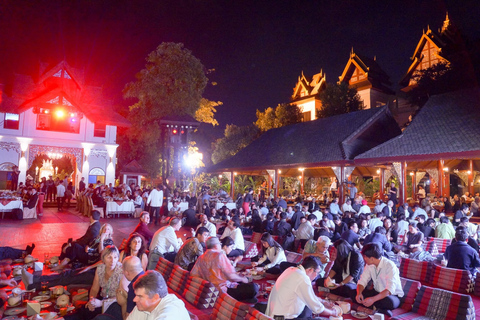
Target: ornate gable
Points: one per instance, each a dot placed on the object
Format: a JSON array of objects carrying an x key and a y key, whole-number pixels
[{"x": 305, "y": 87}]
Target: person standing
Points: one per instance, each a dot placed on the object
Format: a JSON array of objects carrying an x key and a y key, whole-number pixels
[
  {"x": 247, "y": 200},
  {"x": 60, "y": 195},
  {"x": 50, "y": 188},
  {"x": 155, "y": 200},
  {"x": 15, "y": 174},
  {"x": 81, "y": 185},
  {"x": 392, "y": 193}
]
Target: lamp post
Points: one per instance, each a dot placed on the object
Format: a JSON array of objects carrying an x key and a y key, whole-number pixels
[{"x": 193, "y": 161}]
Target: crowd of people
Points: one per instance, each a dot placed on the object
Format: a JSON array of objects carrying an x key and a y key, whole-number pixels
[{"x": 366, "y": 239}]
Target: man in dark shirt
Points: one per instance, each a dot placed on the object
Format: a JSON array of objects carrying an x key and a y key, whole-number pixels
[
  {"x": 459, "y": 214},
  {"x": 356, "y": 205},
  {"x": 32, "y": 201},
  {"x": 471, "y": 241},
  {"x": 81, "y": 185},
  {"x": 421, "y": 223},
  {"x": 405, "y": 209},
  {"x": 297, "y": 215},
  {"x": 142, "y": 227},
  {"x": 460, "y": 255},
  {"x": 414, "y": 240},
  {"x": 351, "y": 235},
  {"x": 283, "y": 227},
  {"x": 282, "y": 203},
  {"x": 340, "y": 226},
  {"x": 379, "y": 236},
  {"x": 392, "y": 193},
  {"x": 190, "y": 218}
]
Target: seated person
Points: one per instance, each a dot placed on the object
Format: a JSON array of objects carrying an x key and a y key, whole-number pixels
[
  {"x": 377, "y": 222},
  {"x": 391, "y": 230},
  {"x": 323, "y": 230},
  {"x": 192, "y": 249},
  {"x": 347, "y": 206},
  {"x": 215, "y": 267},
  {"x": 346, "y": 270},
  {"x": 445, "y": 229},
  {"x": 269, "y": 223},
  {"x": 282, "y": 227},
  {"x": 460, "y": 255},
  {"x": 227, "y": 246},
  {"x": 413, "y": 240},
  {"x": 175, "y": 209},
  {"x": 405, "y": 210},
  {"x": 273, "y": 255},
  {"x": 256, "y": 221},
  {"x": 364, "y": 208},
  {"x": 82, "y": 256},
  {"x": 417, "y": 211},
  {"x": 142, "y": 227},
  {"x": 389, "y": 209},
  {"x": 387, "y": 288},
  {"x": 233, "y": 231},
  {"x": 138, "y": 200},
  {"x": 379, "y": 205},
  {"x": 89, "y": 236},
  {"x": 153, "y": 300},
  {"x": 306, "y": 228},
  {"x": 212, "y": 229},
  {"x": 379, "y": 237},
  {"x": 340, "y": 226},
  {"x": 427, "y": 228},
  {"x": 351, "y": 235},
  {"x": 136, "y": 247},
  {"x": 165, "y": 243},
  {"x": 292, "y": 295},
  {"x": 402, "y": 224},
  {"x": 190, "y": 216},
  {"x": 363, "y": 230}
]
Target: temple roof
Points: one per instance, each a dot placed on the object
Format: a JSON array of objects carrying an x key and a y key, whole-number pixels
[
  {"x": 312, "y": 87},
  {"x": 133, "y": 167},
  {"x": 445, "y": 127},
  {"x": 375, "y": 75},
  {"x": 323, "y": 142},
  {"x": 60, "y": 81}
]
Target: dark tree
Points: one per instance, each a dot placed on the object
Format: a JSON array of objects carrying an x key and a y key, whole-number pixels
[{"x": 338, "y": 98}]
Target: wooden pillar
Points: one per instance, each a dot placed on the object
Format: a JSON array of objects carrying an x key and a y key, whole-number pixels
[
  {"x": 403, "y": 185},
  {"x": 269, "y": 185},
  {"x": 441, "y": 174},
  {"x": 276, "y": 182},
  {"x": 232, "y": 185},
  {"x": 381, "y": 182},
  {"x": 414, "y": 185},
  {"x": 302, "y": 182},
  {"x": 446, "y": 185},
  {"x": 470, "y": 177},
  {"x": 341, "y": 186}
]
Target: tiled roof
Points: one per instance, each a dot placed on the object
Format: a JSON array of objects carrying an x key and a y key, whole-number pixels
[
  {"x": 448, "y": 123},
  {"x": 133, "y": 167},
  {"x": 335, "y": 139}
]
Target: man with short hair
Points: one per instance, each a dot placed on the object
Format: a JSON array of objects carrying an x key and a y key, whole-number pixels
[
  {"x": 405, "y": 209},
  {"x": 164, "y": 240},
  {"x": 356, "y": 205},
  {"x": 387, "y": 288},
  {"x": 282, "y": 203},
  {"x": 142, "y": 227},
  {"x": 445, "y": 229},
  {"x": 60, "y": 195},
  {"x": 317, "y": 212},
  {"x": 413, "y": 239},
  {"x": 81, "y": 185},
  {"x": 460, "y": 255},
  {"x": 460, "y": 213},
  {"x": 402, "y": 224},
  {"x": 340, "y": 226},
  {"x": 289, "y": 212},
  {"x": 347, "y": 206},
  {"x": 155, "y": 201},
  {"x": 353, "y": 190},
  {"x": 192, "y": 249},
  {"x": 334, "y": 207},
  {"x": 306, "y": 229},
  {"x": 379, "y": 236},
  {"x": 292, "y": 294},
  {"x": 376, "y": 222},
  {"x": 389, "y": 209},
  {"x": 153, "y": 300},
  {"x": 379, "y": 205},
  {"x": 282, "y": 227},
  {"x": 351, "y": 235},
  {"x": 417, "y": 211},
  {"x": 212, "y": 229},
  {"x": 32, "y": 201},
  {"x": 297, "y": 215},
  {"x": 233, "y": 231},
  {"x": 214, "y": 266},
  {"x": 392, "y": 193}
]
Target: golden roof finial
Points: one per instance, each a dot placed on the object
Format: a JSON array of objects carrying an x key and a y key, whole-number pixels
[
  {"x": 446, "y": 23},
  {"x": 375, "y": 58},
  {"x": 351, "y": 53}
]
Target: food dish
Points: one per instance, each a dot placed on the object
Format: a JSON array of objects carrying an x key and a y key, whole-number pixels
[
  {"x": 359, "y": 315},
  {"x": 14, "y": 305},
  {"x": 14, "y": 311},
  {"x": 41, "y": 298},
  {"x": 257, "y": 277},
  {"x": 45, "y": 304},
  {"x": 271, "y": 281}
]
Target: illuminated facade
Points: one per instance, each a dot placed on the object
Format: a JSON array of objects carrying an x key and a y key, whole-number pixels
[
  {"x": 55, "y": 113},
  {"x": 305, "y": 95}
]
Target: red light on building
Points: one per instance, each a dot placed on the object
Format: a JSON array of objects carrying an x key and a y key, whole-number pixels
[{"x": 174, "y": 131}]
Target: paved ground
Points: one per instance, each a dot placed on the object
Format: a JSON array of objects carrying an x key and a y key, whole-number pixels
[{"x": 54, "y": 228}]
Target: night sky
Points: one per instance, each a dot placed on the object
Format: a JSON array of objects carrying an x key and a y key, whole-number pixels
[{"x": 258, "y": 48}]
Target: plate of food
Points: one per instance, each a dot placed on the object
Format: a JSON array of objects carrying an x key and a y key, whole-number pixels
[
  {"x": 14, "y": 311},
  {"x": 257, "y": 277},
  {"x": 45, "y": 304},
  {"x": 41, "y": 298},
  {"x": 14, "y": 301},
  {"x": 359, "y": 315},
  {"x": 44, "y": 315}
]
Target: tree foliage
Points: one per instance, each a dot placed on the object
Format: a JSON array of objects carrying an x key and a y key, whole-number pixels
[
  {"x": 235, "y": 139},
  {"x": 172, "y": 83},
  {"x": 283, "y": 115},
  {"x": 338, "y": 98}
]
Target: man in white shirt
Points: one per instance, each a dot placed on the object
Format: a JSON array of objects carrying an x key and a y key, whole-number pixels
[
  {"x": 153, "y": 300},
  {"x": 387, "y": 288},
  {"x": 317, "y": 212},
  {"x": 292, "y": 295},
  {"x": 289, "y": 212},
  {"x": 60, "y": 195},
  {"x": 334, "y": 207},
  {"x": 155, "y": 200},
  {"x": 233, "y": 231},
  {"x": 164, "y": 240},
  {"x": 418, "y": 211},
  {"x": 212, "y": 229},
  {"x": 376, "y": 222},
  {"x": 347, "y": 206},
  {"x": 305, "y": 230},
  {"x": 364, "y": 208}
]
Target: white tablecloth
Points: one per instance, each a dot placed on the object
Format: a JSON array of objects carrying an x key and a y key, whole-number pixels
[
  {"x": 127, "y": 207},
  {"x": 230, "y": 205},
  {"x": 183, "y": 206},
  {"x": 11, "y": 205}
]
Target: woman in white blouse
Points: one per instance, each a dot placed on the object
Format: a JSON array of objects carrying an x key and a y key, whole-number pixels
[{"x": 273, "y": 255}]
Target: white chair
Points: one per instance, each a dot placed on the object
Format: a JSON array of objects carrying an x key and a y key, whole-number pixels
[{"x": 30, "y": 213}]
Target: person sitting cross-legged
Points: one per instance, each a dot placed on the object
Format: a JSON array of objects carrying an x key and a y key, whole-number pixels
[
  {"x": 192, "y": 249},
  {"x": 460, "y": 255},
  {"x": 215, "y": 267},
  {"x": 387, "y": 288},
  {"x": 273, "y": 255},
  {"x": 292, "y": 295}
]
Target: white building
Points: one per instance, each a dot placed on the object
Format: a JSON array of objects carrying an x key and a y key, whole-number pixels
[{"x": 55, "y": 113}]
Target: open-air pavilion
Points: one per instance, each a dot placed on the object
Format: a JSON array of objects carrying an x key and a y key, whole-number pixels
[{"x": 442, "y": 140}]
